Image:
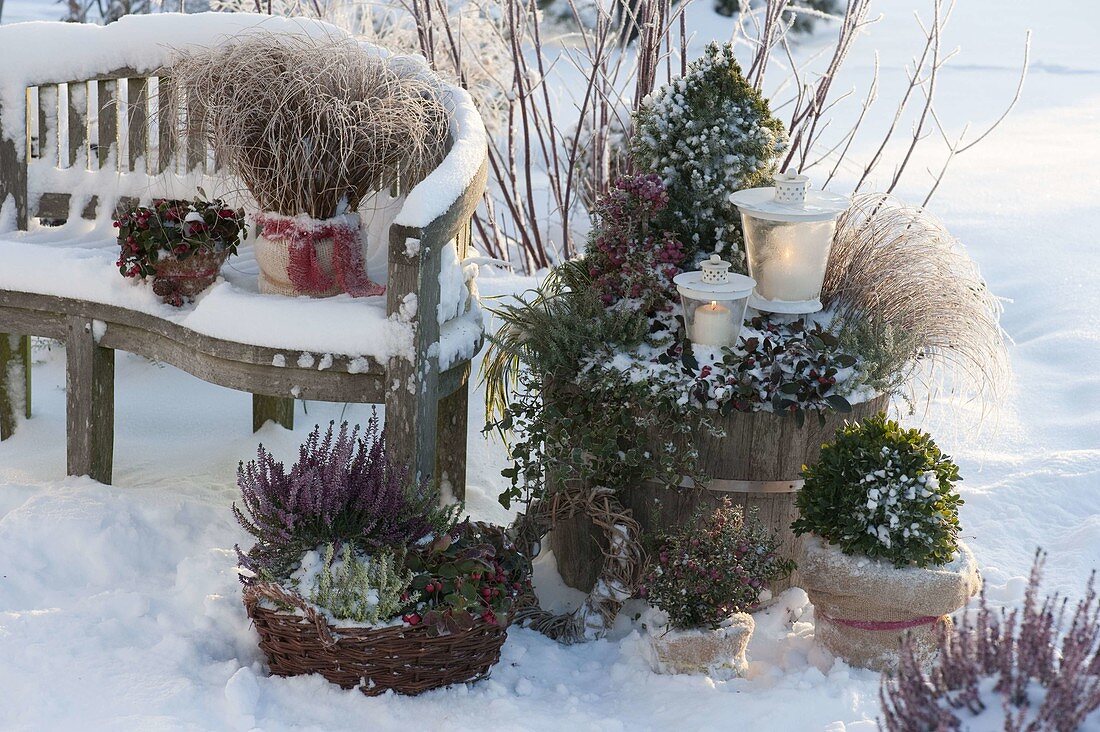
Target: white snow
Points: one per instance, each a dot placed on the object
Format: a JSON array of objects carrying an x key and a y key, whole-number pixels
[{"x": 120, "y": 608}]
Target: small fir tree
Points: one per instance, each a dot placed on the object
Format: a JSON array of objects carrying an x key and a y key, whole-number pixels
[{"x": 707, "y": 135}]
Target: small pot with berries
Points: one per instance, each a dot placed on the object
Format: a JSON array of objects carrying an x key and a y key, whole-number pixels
[{"x": 181, "y": 245}]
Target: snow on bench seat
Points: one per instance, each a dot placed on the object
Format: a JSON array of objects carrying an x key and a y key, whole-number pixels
[{"x": 83, "y": 267}]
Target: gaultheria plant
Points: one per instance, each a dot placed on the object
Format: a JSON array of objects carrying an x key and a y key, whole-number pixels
[
  {"x": 343, "y": 488},
  {"x": 1023, "y": 671}
]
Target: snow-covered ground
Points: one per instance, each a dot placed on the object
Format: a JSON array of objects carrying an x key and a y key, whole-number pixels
[{"x": 119, "y": 607}]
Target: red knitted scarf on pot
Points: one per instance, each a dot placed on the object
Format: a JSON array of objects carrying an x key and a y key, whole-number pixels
[{"x": 304, "y": 269}]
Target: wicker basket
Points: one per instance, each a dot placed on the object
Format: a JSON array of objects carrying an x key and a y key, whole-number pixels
[{"x": 405, "y": 659}]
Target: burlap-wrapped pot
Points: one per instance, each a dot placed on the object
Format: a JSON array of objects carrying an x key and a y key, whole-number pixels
[
  {"x": 719, "y": 653},
  {"x": 863, "y": 607},
  {"x": 302, "y": 256}
]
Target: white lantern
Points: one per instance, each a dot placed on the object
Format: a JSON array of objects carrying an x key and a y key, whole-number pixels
[
  {"x": 788, "y": 234},
  {"x": 714, "y": 301}
]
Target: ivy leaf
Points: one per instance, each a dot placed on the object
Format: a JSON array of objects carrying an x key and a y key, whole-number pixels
[{"x": 687, "y": 358}]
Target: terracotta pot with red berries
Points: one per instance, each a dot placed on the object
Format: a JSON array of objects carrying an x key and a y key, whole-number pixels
[{"x": 181, "y": 245}]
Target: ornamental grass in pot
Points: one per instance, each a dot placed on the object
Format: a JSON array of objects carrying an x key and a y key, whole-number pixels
[
  {"x": 181, "y": 245},
  {"x": 881, "y": 558},
  {"x": 361, "y": 577},
  {"x": 702, "y": 582},
  {"x": 312, "y": 126}
]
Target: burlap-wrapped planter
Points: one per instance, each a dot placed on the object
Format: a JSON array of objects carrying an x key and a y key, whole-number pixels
[
  {"x": 299, "y": 256},
  {"x": 273, "y": 257},
  {"x": 863, "y": 607},
  {"x": 719, "y": 653}
]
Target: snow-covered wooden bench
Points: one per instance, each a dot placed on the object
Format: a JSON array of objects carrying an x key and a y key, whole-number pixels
[{"x": 63, "y": 160}]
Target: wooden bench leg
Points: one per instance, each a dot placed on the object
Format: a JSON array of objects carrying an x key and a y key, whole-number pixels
[
  {"x": 410, "y": 426},
  {"x": 90, "y": 403},
  {"x": 280, "y": 410},
  {"x": 451, "y": 436},
  {"x": 15, "y": 381}
]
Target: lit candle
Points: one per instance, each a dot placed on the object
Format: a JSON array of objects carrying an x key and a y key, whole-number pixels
[
  {"x": 713, "y": 326},
  {"x": 786, "y": 276}
]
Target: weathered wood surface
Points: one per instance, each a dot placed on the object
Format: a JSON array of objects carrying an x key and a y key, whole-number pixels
[
  {"x": 78, "y": 124},
  {"x": 273, "y": 409},
  {"x": 107, "y": 139},
  {"x": 15, "y": 381},
  {"x": 414, "y": 265},
  {"x": 451, "y": 427},
  {"x": 758, "y": 446},
  {"x": 89, "y": 402},
  {"x": 13, "y": 169},
  {"x": 137, "y": 121}
]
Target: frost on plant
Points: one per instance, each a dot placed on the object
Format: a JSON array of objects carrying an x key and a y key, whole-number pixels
[
  {"x": 718, "y": 566},
  {"x": 342, "y": 488},
  {"x": 354, "y": 586},
  {"x": 1024, "y": 671},
  {"x": 707, "y": 135},
  {"x": 883, "y": 492},
  {"x": 630, "y": 259}
]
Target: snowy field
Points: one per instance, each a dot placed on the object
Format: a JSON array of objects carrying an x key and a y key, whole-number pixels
[{"x": 120, "y": 608}]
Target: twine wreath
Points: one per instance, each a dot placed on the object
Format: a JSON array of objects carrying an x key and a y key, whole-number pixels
[{"x": 624, "y": 561}]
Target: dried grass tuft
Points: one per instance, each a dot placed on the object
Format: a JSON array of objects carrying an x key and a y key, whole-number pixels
[
  {"x": 312, "y": 125},
  {"x": 904, "y": 287}
]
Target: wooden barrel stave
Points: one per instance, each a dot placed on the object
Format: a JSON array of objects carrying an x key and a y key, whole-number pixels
[{"x": 757, "y": 446}]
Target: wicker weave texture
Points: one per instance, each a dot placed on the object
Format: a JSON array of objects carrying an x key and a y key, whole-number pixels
[{"x": 405, "y": 659}]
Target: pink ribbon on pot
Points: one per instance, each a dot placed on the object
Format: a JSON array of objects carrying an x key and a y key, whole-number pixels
[
  {"x": 880, "y": 625},
  {"x": 304, "y": 269}
]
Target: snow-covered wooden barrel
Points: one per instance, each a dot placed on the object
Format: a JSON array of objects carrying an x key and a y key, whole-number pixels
[{"x": 757, "y": 464}]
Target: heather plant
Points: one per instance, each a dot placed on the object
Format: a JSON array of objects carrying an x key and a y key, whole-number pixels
[
  {"x": 359, "y": 587},
  {"x": 474, "y": 572},
  {"x": 707, "y": 135},
  {"x": 883, "y": 492},
  {"x": 1024, "y": 671},
  {"x": 630, "y": 260},
  {"x": 717, "y": 566},
  {"x": 342, "y": 488}
]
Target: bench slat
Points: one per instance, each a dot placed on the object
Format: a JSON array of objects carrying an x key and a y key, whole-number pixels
[
  {"x": 137, "y": 123},
  {"x": 47, "y": 147},
  {"x": 196, "y": 144},
  {"x": 78, "y": 124},
  {"x": 107, "y": 120},
  {"x": 168, "y": 131}
]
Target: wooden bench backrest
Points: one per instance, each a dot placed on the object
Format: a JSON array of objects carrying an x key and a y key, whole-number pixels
[
  {"x": 125, "y": 121},
  {"x": 103, "y": 86}
]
